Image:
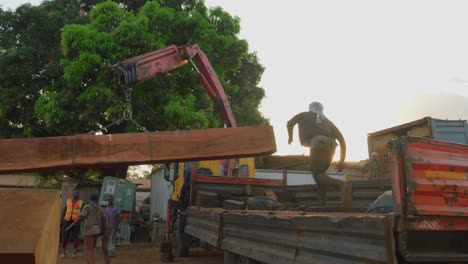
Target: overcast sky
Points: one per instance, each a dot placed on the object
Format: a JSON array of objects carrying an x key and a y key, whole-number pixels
[{"x": 372, "y": 64}]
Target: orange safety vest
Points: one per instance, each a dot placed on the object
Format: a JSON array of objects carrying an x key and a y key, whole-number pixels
[{"x": 73, "y": 210}]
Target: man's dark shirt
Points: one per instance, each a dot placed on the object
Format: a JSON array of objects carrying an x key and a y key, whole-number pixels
[{"x": 308, "y": 128}]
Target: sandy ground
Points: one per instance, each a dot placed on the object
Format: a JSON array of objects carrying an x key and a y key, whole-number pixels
[{"x": 145, "y": 254}]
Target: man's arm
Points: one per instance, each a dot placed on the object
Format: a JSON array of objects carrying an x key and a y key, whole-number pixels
[
  {"x": 342, "y": 143},
  {"x": 77, "y": 221},
  {"x": 290, "y": 125}
]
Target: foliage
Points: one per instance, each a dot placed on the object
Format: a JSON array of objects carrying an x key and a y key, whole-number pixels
[
  {"x": 29, "y": 58},
  {"x": 141, "y": 171}
]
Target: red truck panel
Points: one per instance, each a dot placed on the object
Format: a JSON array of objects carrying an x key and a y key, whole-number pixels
[{"x": 437, "y": 177}]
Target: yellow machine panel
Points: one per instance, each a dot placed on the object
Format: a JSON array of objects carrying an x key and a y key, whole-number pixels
[{"x": 243, "y": 167}]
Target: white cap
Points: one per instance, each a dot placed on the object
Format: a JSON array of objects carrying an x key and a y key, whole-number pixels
[{"x": 317, "y": 108}]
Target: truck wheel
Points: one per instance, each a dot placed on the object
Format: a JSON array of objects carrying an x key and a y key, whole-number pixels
[{"x": 182, "y": 243}]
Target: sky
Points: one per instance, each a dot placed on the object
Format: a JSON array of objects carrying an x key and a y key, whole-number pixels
[{"x": 372, "y": 64}]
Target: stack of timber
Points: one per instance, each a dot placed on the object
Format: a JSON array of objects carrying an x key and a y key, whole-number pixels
[
  {"x": 233, "y": 205},
  {"x": 207, "y": 199},
  {"x": 29, "y": 225}
]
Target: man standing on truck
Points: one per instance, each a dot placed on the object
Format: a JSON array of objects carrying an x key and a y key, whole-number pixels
[{"x": 319, "y": 134}]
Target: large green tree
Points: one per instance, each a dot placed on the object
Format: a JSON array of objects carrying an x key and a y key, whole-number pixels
[
  {"x": 174, "y": 101},
  {"x": 59, "y": 77}
]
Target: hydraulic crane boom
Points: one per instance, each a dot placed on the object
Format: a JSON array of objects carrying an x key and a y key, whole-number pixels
[{"x": 142, "y": 67}]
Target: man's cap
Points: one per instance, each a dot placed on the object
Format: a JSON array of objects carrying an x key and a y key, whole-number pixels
[{"x": 315, "y": 107}]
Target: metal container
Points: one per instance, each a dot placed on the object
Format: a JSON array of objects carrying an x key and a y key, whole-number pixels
[
  {"x": 444, "y": 130},
  {"x": 124, "y": 194}
]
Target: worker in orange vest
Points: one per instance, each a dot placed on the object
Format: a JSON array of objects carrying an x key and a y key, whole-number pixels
[{"x": 71, "y": 213}]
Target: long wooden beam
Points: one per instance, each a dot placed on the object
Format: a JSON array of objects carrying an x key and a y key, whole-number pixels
[{"x": 88, "y": 151}]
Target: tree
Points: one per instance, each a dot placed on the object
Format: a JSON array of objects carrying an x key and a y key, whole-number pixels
[
  {"x": 29, "y": 58},
  {"x": 65, "y": 84},
  {"x": 168, "y": 102}
]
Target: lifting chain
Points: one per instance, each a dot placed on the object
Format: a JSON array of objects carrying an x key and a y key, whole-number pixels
[{"x": 127, "y": 114}]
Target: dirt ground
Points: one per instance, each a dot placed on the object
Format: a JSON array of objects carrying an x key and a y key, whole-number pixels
[{"x": 147, "y": 253}]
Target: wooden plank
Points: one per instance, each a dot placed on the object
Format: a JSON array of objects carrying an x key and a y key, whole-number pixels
[
  {"x": 29, "y": 225},
  {"x": 55, "y": 153},
  {"x": 207, "y": 199},
  {"x": 237, "y": 180},
  {"x": 233, "y": 205}
]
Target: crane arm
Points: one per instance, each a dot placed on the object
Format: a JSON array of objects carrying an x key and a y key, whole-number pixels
[{"x": 142, "y": 67}]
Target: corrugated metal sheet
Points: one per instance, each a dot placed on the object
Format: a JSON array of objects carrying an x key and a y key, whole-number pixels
[
  {"x": 260, "y": 237},
  {"x": 309, "y": 194},
  {"x": 288, "y": 237},
  {"x": 294, "y": 177},
  {"x": 233, "y": 187},
  {"x": 205, "y": 225},
  {"x": 350, "y": 238},
  {"x": 431, "y": 195},
  {"x": 450, "y": 130},
  {"x": 160, "y": 194},
  {"x": 365, "y": 192},
  {"x": 377, "y": 144},
  {"x": 224, "y": 190},
  {"x": 444, "y": 130}
]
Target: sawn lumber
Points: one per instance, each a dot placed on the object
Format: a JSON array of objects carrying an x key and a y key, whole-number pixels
[
  {"x": 88, "y": 151},
  {"x": 29, "y": 226}
]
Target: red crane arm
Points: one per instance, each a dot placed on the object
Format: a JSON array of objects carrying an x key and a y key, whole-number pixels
[{"x": 142, "y": 67}]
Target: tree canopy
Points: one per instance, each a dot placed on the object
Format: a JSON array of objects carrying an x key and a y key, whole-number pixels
[{"x": 58, "y": 77}]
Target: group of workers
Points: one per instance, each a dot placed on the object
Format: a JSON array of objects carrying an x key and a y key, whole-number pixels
[{"x": 97, "y": 221}]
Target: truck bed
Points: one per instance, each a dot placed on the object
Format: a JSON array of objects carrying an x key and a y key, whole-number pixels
[
  {"x": 429, "y": 222},
  {"x": 296, "y": 237}
]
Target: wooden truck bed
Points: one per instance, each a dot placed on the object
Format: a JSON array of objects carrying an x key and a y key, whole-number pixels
[{"x": 429, "y": 221}]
